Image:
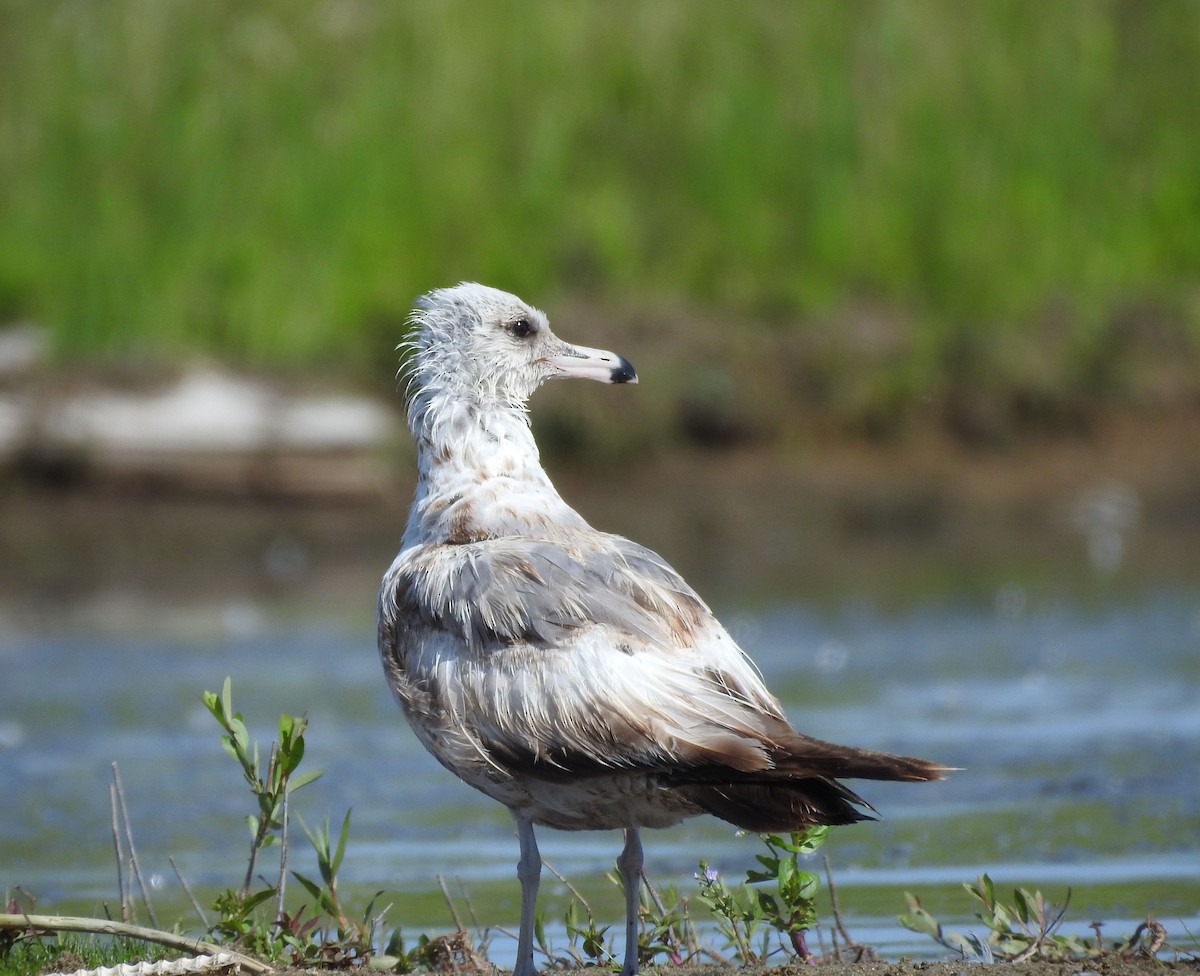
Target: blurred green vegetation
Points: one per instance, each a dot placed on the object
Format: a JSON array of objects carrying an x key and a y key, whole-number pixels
[{"x": 981, "y": 195}]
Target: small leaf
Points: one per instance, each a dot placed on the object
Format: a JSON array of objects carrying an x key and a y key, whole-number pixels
[
  {"x": 808, "y": 884},
  {"x": 309, "y": 885},
  {"x": 918, "y": 920},
  {"x": 593, "y": 944},
  {"x": 1021, "y": 897},
  {"x": 768, "y": 862},
  {"x": 990, "y": 889},
  {"x": 808, "y": 841},
  {"x": 256, "y": 899},
  {"x": 1039, "y": 907},
  {"x": 227, "y": 698},
  {"x": 294, "y": 754},
  {"x": 341, "y": 845},
  {"x": 213, "y": 703},
  {"x": 237, "y": 731},
  {"x": 304, "y": 779},
  {"x": 787, "y": 871}
]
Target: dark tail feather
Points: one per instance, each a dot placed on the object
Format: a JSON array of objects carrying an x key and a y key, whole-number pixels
[{"x": 780, "y": 806}]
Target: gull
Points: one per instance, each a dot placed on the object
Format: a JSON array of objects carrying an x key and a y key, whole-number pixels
[{"x": 566, "y": 672}]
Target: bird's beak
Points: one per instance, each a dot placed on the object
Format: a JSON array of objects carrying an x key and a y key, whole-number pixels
[{"x": 593, "y": 364}]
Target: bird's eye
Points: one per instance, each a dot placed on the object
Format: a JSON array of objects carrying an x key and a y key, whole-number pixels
[{"x": 522, "y": 328}]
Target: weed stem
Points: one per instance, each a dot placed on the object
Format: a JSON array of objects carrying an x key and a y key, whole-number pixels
[{"x": 133, "y": 858}]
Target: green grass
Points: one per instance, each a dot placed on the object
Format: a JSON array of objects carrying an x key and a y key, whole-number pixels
[
  {"x": 67, "y": 952},
  {"x": 1013, "y": 186}
]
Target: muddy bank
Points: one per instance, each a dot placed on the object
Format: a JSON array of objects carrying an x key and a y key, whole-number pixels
[
  {"x": 209, "y": 487},
  {"x": 829, "y": 516},
  {"x": 826, "y": 410}
]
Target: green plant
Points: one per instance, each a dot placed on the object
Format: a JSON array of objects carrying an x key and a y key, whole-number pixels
[
  {"x": 272, "y": 787},
  {"x": 351, "y": 938},
  {"x": 239, "y": 923},
  {"x": 327, "y": 933},
  {"x": 790, "y": 909},
  {"x": 323, "y": 934},
  {"x": 737, "y": 913},
  {"x": 665, "y": 931},
  {"x": 329, "y": 860},
  {"x": 397, "y": 957},
  {"x": 587, "y": 943},
  {"x": 1026, "y": 929},
  {"x": 453, "y": 952},
  {"x": 662, "y": 931}
]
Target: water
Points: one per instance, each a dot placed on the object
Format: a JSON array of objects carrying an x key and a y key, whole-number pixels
[{"x": 1068, "y": 693}]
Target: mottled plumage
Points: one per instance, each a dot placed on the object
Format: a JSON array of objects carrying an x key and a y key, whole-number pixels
[{"x": 568, "y": 673}]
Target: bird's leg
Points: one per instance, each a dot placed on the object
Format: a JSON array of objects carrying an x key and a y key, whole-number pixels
[
  {"x": 529, "y": 873},
  {"x": 630, "y": 866}
]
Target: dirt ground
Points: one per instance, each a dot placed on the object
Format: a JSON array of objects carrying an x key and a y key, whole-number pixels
[
  {"x": 1103, "y": 966},
  {"x": 1109, "y": 965}
]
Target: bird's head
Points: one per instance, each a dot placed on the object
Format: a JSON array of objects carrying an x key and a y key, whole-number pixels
[{"x": 487, "y": 347}]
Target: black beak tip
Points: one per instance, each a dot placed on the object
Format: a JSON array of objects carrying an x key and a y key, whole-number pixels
[{"x": 624, "y": 372}]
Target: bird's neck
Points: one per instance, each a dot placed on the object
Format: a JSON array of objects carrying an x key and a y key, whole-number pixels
[{"x": 479, "y": 476}]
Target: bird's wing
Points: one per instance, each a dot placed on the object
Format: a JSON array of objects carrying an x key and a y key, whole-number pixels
[
  {"x": 578, "y": 656},
  {"x": 499, "y": 592}
]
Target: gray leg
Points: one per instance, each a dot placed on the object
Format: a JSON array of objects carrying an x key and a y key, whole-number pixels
[
  {"x": 630, "y": 866},
  {"x": 529, "y": 873}
]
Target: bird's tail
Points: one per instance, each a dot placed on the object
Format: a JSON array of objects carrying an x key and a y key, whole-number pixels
[
  {"x": 801, "y": 789},
  {"x": 804, "y": 755}
]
